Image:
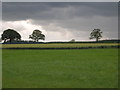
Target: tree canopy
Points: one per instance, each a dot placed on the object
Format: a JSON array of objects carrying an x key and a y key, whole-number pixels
[
  {"x": 10, "y": 35},
  {"x": 96, "y": 33},
  {"x": 37, "y": 35}
]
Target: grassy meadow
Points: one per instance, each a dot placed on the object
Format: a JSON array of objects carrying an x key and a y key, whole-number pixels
[{"x": 83, "y": 68}]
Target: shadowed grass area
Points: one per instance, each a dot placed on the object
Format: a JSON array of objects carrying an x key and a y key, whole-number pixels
[{"x": 91, "y": 68}]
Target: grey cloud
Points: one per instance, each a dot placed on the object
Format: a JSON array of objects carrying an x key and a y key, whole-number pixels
[
  {"x": 61, "y": 1},
  {"x": 62, "y": 10},
  {"x": 77, "y": 18}
]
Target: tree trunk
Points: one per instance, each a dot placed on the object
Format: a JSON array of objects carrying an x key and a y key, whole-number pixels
[
  {"x": 96, "y": 39},
  {"x": 4, "y": 40},
  {"x": 10, "y": 40},
  {"x": 37, "y": 40}
]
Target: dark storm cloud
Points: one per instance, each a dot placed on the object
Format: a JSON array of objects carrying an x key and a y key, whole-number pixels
[
  {"x": 52, "y": 11},
  {"x": 78, "y": 18}
]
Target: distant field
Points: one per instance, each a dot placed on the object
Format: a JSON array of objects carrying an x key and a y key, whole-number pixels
[
  {"x": 89, "y": 68},
  {"x": 58, "y": 45}
]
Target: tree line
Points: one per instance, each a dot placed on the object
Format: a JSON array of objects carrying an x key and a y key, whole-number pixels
[{"x": 11, "y": 35}]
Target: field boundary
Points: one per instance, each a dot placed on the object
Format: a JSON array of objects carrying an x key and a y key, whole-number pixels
[{"x": 89, "y": 47}]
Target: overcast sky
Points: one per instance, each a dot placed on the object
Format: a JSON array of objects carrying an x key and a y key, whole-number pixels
[{"x": 61, "y": 20}]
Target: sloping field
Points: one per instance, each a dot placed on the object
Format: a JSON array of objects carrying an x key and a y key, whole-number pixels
[
  {"x": 65, "y": 45},
  {"x": 87, "y": 68}
]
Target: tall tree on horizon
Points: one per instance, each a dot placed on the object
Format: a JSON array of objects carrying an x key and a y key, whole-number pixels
[
  {"x": 10, "y": 35},
  {"x": 37, "y": 35},
  {"x": 97, "y": 34}
]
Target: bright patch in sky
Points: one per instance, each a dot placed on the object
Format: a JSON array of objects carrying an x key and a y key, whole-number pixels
[{"x": 25, "y": 28}]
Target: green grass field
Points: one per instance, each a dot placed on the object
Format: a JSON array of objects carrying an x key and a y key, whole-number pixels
[{"x": 88, "y": 68}]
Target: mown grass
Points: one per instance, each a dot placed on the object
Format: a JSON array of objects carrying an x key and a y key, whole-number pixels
[
  {"x": 90, "y": 68},
  {"x": 70, "y": 45}
]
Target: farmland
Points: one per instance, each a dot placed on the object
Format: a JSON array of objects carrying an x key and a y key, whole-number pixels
[
  {"x": 65, "y": 45},
  {"x": 83, "y": 68}
]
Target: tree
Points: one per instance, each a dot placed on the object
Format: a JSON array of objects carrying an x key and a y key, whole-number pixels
[
  {"x": 37, "y": 35},
  {"x": 96, "y": 33},
  {"x": 73, "y": 40},
  {"x": 10, "y": 35}
]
